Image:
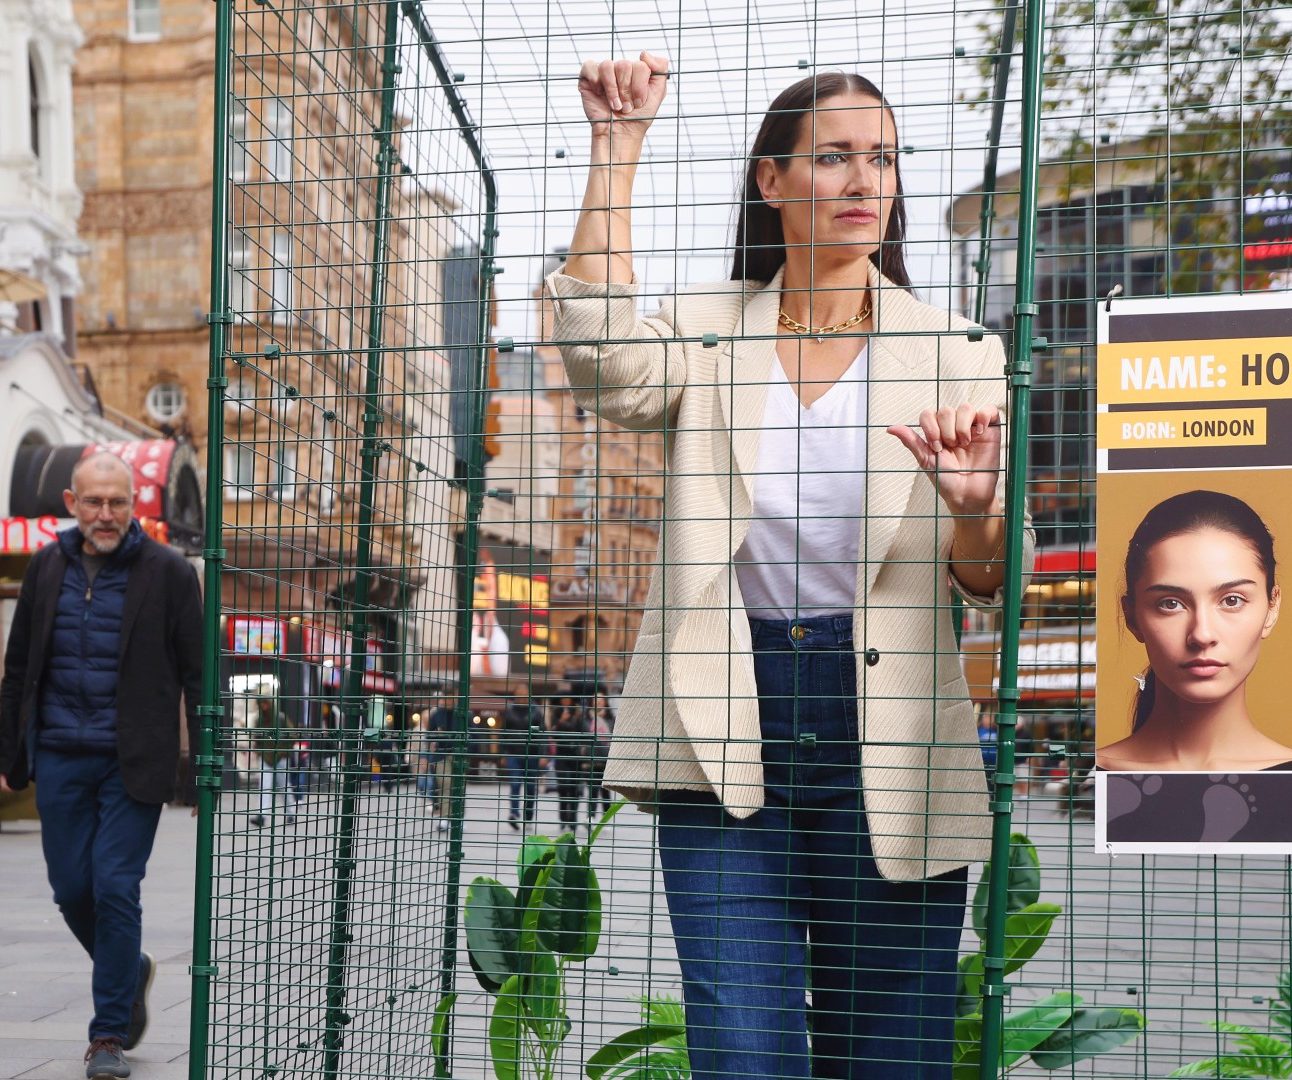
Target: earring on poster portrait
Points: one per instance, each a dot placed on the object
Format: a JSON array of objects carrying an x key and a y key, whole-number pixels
[{"x": 1141, "y": 679}]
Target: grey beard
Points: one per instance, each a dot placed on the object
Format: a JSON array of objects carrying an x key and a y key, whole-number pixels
[{"x": 106, "y": 547}]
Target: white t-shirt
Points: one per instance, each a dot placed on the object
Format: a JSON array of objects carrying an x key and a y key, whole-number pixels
[{"x": 799, "y": 557}]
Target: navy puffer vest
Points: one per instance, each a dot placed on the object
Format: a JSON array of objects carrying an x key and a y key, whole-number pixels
[{"x": 78, "y": 701}]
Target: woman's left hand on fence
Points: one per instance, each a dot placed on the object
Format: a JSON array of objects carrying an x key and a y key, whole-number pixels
[{"x": 959, "y": 450}]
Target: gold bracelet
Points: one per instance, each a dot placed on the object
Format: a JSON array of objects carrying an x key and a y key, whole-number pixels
[{"x": 989, "y": 564}]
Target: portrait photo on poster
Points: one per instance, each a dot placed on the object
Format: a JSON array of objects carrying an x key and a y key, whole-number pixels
[{"x": 1194, "y": 728}]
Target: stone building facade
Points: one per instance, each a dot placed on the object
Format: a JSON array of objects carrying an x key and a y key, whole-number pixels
[{"x": 300, "y": 301}]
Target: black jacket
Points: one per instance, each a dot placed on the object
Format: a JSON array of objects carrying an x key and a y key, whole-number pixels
[{"x": 160, "y": 658}]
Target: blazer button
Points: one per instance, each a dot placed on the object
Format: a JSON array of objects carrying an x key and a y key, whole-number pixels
[{"x": 872, "y": 657}]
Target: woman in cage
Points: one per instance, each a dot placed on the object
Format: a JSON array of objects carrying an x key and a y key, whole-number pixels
[
  {"x": 1201, "y": 597},
  {"x": 795, "y": 709}
]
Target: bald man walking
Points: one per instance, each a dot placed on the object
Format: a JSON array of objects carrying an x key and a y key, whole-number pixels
[{"x": 106, "y": 637}]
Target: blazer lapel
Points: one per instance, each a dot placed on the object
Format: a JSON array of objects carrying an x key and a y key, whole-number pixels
[
  {"x": 742, "y": 384},
  {"x": 896, "y": 386}
]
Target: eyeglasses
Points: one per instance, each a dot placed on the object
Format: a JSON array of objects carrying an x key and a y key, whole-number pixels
[{"x": 95, "y": 503}]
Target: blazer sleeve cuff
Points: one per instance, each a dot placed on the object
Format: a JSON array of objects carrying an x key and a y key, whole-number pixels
[
  {"x": 997, "y": 598},
  {"x": 584, "y": 311}
]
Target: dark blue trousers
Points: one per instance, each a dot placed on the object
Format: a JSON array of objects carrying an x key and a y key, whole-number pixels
[
  {"x": 798, "y": 959},
  {"x": 522, "y": 777},
  {"x": 97, "y": 840}
]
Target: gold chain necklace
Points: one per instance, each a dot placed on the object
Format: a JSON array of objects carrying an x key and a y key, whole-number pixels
[{"x": 819, "y": 332}]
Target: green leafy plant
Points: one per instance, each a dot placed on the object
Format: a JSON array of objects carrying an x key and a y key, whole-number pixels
[
  {"x": 520, "y": 946},
  {"x": 1255, "y": 1053},
  {"x": 654, "y": 1051},
  {"x": 1055, "y": 1031}
]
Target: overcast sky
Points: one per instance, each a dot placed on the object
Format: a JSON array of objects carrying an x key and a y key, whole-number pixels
[{"x": 520, "y": 59}]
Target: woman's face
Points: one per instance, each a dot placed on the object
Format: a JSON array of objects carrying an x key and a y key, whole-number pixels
[
  {"x": 837, "y": 190},
  {"x": 1201, "y": 610}
]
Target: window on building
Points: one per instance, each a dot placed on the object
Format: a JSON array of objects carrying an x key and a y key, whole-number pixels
[
  {"x": 280, "y": 292},
  {"x": 145, "y": 19},
  {"x": 283, "y": 480},
  {"x": 242, "y": 280},
  {"x": 34, "y": 101},
  {"x": 239, "y": 470},
  {"x": 239, "y": 157},
  {"x": 165, "y": 401},
  {"x": 278, "y": 125},
  {"x": 328, "y": 470}
]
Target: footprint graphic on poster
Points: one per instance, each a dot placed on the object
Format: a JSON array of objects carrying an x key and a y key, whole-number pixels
[
  {"x": 1227, "y": 806},
  {"x": 1126, "y": 793}
]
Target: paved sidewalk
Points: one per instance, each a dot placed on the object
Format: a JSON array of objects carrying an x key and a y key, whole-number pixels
[
  {"x": 1187, "y": 941},
  {"x": 45, "y": 1003}
]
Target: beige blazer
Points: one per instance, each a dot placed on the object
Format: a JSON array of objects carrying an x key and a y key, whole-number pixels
[{"x": 688, "y": 717}]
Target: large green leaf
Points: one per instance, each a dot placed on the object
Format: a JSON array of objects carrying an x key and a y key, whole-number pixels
[
  {"x": 507, "y": 1033},
  {"x": 568, "y": 899},
  {"x": 654, "y": 1064},
  {"x": 969, "y": 984},
  {"x": 1087, "y": 1033},
  {"x": 529, "y": 876},
  {"x": 1026, "y": 931},
  {"x": 611, "y": 811},
  {"x": 968, "y": 1048},
  {"x": 1023, "y": 882},
  {"x": 542, "y": 997},
  {"x": 1028, "y": 1028},
  {"x": 492, "y": 932},
  {"x": 532, "y": 850},
  {"x": 630, "y": 1044},
  {"x": 440, "y": 1034}
]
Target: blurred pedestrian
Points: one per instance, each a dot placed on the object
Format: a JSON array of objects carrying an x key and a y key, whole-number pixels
[
  {"x": 106, "y": 636},
  {"x": 431, "y": 752},
  {"x": 571, "y": 751},
  {"x": 273, "y": 737},
  {"x": 601, "y": 724},
  {"x": 524, "y": 743}
]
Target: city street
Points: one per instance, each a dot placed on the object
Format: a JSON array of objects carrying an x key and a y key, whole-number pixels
[{"x": 1167, "y": 936}]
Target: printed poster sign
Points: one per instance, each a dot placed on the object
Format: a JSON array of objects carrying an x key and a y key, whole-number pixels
[{"x": 1193, "y": 714}]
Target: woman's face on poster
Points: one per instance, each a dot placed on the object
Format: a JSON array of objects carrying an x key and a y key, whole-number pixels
[{"x": 1201, "y": 608}]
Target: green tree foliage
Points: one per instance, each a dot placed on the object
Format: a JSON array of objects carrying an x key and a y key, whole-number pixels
[{"x": 1193, "y": 89}]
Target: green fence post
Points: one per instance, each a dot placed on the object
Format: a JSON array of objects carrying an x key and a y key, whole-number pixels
[
  {"x": 373, "y": 447},
  {"x": 475, "y": 491},
  {"x": 204, "y": 760},
  {"x": 1020, "y": 378}
]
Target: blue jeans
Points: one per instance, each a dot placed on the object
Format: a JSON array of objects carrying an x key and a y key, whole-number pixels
[
  {"x": 522, "y": 778},
  {"x": 97, "y": 840},
  {"x": 426, "y": 779},
  {"x": 789, "y": 902}
]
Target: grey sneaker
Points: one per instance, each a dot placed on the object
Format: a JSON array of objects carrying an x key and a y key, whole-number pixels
[
  {"x": 105, "y": 1061},
  {"x": 139, "y": 1007}
]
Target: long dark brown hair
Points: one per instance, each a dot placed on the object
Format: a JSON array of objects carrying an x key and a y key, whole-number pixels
[
  {"x": 760, "y": 239},
  {"x": 1186, "y": 513}
]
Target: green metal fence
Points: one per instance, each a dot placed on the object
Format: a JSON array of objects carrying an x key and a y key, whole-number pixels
[{"x": 412, "y": 524}]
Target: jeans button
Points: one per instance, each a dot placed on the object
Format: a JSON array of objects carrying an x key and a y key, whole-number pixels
[{"x": 798, "y": 633}]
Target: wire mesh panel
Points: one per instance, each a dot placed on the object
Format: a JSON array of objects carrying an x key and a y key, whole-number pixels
[
  {"x": 555, "y": 413},
  {"x": 352, "y": 232}
]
